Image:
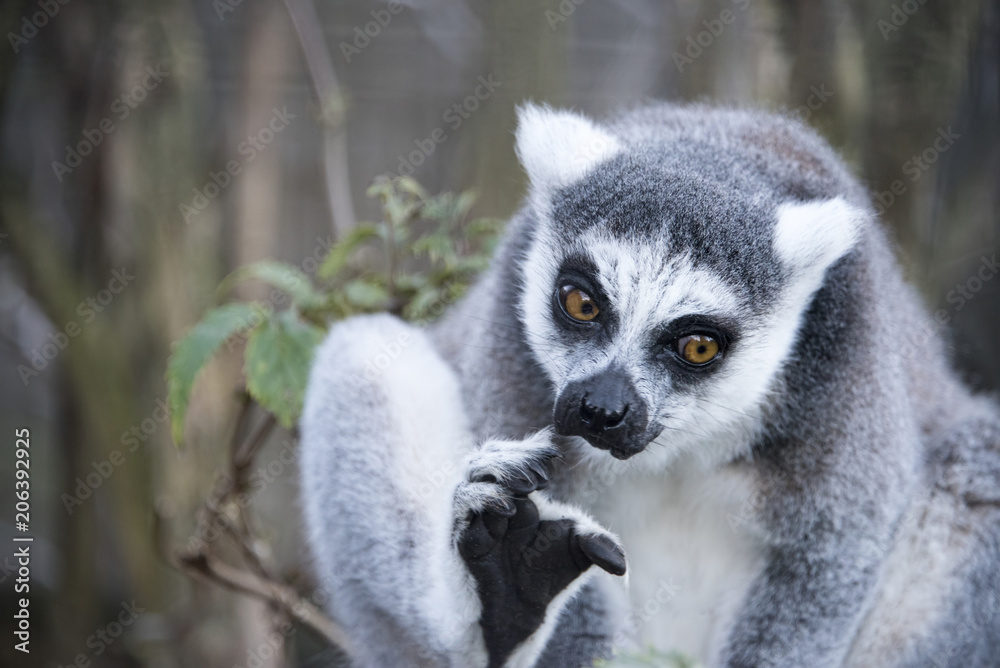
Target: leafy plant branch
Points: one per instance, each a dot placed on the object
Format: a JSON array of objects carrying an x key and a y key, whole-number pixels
[{"x": 429, "y": 253}]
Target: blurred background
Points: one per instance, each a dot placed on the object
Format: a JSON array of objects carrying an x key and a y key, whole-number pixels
[{"x": 148, "y": 148}]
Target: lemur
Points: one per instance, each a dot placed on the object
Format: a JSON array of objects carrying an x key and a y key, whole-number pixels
[{"x": 693, "y": 361}]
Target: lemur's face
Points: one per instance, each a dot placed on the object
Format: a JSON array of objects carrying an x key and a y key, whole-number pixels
[{"x": 660, "y": 303}]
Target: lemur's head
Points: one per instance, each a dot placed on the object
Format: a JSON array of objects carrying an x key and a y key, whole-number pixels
[{"x": 664, "y": 287}]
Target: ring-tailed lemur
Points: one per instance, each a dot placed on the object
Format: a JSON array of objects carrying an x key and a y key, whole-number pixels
[{"x": 695, "y": 335}]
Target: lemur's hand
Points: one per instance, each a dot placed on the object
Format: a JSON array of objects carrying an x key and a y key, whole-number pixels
[{"x": 519, "y": 560}]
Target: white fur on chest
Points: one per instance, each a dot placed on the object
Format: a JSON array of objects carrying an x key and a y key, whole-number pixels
[{"x": 692, "y": 555}]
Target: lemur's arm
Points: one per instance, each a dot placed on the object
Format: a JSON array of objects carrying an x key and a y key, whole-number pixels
[
  {"x": 379, "y": 466},
  {"x": 433, "y": 552},
  {"x": 804, "y": 609},
  {"x": 822, "y": 522}
]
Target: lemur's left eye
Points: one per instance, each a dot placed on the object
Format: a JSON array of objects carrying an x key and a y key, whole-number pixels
[
  {"x": 577, "y": 303},
  {"x": 697, "y": 349}
]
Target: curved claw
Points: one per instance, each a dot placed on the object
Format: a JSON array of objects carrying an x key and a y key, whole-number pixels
[{"x": 603, "y": 552}]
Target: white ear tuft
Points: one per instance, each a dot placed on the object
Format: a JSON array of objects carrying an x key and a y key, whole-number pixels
[
  {"x": 558, "y": 147},
  {"x": 810, "y": 236}
]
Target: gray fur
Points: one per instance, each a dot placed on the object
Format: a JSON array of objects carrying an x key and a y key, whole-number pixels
[{"x": 874, "y": 473}]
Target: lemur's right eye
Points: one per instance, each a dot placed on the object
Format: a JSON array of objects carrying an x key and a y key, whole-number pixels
[
  {"x": 698, "y": 349},
  {"x": 578, "y": 304}
]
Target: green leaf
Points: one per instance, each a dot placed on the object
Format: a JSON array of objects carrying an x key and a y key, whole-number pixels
[
  {"x": 411, "y": 282},
  {"x": 463, "y": 203},
  {"x": 337, "y": 259},
  {"x": 437, "y": 246},
  {"x": 380, "y": 187},
  {"x": 481, "y": 227},
  {"x": 366, "y": 295},
  {"x": 409, "y": 185},
  {"x": 333, "y": 307},
  {"x": 399, "y": 212},
  {"x": 419, "y": 307},
  {"x": 287, "y": 278},
  {"x": 472, "y": 264},
  {"x": 278, "y": 357},
  {"x": 197, "y": 347},
  {"x": 438, "y": 208}
]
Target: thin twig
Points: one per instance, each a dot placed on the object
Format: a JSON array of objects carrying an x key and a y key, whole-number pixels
[
  {"x": 243, "y": 457},
  {"x": 256, "y": 579},
  {"x": 332, "y": 103},
  {"x": 289, "y": 600}
]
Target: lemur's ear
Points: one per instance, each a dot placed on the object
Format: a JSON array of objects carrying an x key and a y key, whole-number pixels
[
  {"x": 810, "y": 236},
  {"x": 558, "y": 147}
]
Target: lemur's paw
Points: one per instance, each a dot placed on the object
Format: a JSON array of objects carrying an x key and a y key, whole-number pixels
[
  {"x": 500, "y": 470},
  {"x": 520, "y": 466},
  {"x": 520, "y": 561},
  {"x": 525, "y": 546}
]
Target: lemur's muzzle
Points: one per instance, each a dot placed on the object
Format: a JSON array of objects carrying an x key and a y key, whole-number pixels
[{"x": 606, "y": 410}]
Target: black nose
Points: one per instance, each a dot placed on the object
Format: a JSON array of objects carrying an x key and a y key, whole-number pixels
[
  {"x": 606, "y": 410},
  {"x": 601, "y": 413}
]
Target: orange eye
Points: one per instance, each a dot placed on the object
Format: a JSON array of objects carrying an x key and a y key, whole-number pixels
[
  {"x": 578, "y": 304},
  {"x": 698, "y": 349}
]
